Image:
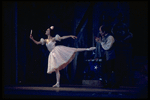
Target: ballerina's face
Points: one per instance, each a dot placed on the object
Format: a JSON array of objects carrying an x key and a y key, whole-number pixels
[{"x": 48, "y": 30}]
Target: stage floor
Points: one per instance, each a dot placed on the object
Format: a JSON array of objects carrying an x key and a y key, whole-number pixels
[{"x": 68, "y": 91}]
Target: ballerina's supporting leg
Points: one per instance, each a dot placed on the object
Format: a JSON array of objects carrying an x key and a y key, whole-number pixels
[
  {"x": 57, "y": 78},
  {"x": 85, "y": 49}
]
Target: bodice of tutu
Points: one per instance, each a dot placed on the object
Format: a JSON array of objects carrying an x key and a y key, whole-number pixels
[{"x": 51, "y": 45}]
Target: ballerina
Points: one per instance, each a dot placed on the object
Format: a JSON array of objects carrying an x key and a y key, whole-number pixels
[{"x": 60, "y": 56}]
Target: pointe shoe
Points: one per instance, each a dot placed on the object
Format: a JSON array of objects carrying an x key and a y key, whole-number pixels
[
  {"x": 91, "y": 48},
  {"x": 56, "y": 85}
]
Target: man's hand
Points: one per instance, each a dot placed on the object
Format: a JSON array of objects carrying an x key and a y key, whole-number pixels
[{"x": 98, "y": 39}]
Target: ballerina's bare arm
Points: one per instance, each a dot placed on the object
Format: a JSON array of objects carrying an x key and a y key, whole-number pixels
[
  {"x": 36, "y": 42},
  {"x": 65, "y": 37}
]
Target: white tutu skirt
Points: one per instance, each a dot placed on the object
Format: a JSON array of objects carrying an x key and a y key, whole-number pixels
[{"x": 59, "y": 58}]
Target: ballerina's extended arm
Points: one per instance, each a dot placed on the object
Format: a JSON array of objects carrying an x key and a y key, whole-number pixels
[
  {"x": 36, "y": 42},
  {"x": 65, "y": 37}
]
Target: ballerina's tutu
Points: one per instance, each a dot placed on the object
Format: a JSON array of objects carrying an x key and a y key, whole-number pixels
[{"x": 60, "y": 57}]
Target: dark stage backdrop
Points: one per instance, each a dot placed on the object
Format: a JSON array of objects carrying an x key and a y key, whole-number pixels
[{"x": 26, "y": 63}]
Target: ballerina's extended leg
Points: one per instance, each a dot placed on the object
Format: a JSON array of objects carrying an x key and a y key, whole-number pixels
[{"x": 85, "y": 49}]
